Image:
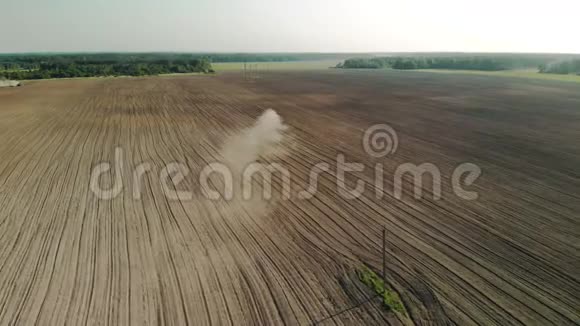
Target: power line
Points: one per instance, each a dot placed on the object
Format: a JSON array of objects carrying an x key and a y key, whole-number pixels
[{"x": 345, "y": 310}]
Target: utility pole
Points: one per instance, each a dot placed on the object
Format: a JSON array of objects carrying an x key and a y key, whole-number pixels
[{"x": 384, "y": 256}]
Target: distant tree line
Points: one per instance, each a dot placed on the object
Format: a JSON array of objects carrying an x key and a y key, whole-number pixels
[
  {"x": 408, "y": 63},
  {"x": 269, "y": 57},
  {"x": 19, "y": 67},
  {"x": 63, "y": 65},
  {"x": 562, "y": 67},
  {"x": 485, "y": 63}
]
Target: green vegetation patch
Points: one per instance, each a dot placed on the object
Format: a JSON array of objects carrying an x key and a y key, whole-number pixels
[{"x": 390, "y": 298}]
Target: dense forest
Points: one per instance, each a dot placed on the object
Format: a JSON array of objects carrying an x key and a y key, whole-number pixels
[
  {"x": 464, "y": 62},
  {"x": 562, "y": 67},
  {"x": 19, "y": 67}
]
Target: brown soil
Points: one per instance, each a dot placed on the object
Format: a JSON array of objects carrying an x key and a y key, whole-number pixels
[{"x": 510, "y": 257}]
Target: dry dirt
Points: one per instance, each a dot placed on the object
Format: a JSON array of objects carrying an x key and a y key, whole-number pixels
[{"x": 509, "y": 257}]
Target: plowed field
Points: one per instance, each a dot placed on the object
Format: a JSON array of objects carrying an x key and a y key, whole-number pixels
[{"x": 70, "y": 257}]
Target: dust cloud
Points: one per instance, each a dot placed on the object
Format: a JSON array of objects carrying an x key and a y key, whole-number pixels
[{"x": 258, "y": 140}]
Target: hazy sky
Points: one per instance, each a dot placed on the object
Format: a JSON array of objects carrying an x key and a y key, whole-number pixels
[{"x": 290, "y": 26}]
